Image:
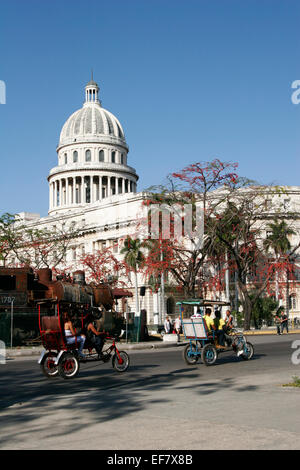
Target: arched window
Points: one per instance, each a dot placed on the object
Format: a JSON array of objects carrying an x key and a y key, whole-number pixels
[
  {"x": 75, "y": 156},
  {"x": 122, "y": 159},
  {"x": 66, "y": 158},
  {"x": 113, "y": 157},
  {"x": 101, "y": 155},
  {"x": 88, "y": 156}
]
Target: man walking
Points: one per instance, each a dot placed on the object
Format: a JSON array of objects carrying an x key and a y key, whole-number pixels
[{"x": 278, "y": 323}]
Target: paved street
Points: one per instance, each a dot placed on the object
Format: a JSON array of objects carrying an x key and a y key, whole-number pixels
[{"x": 160, "y": 403}]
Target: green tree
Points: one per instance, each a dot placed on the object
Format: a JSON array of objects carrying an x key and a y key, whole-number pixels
[
  {"x": 263, "y": 308},
  {"x": 10, "y": 236},
  {"x": 134, "y": 259},
  {"x": 278, "y": 233}
]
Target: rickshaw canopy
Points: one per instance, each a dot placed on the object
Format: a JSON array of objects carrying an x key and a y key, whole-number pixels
[{"x": 202, "y": 302}]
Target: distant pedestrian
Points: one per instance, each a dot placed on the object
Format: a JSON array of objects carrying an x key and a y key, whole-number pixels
[
  {"x": 167, "y": 326},
  {"x": 177, "y": 325},
  {"x": 278, "y": 322},
  {"x": 284, "y": 323}
]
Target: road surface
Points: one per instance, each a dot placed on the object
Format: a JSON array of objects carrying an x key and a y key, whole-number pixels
[{"x": 160, "y": 403}]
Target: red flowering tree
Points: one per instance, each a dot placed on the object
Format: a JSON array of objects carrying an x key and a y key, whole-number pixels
[
  {"x": 239, "y": 230},
  {"x": 103, "y": 267},
  {"x": 174, "y": 250},
  {"x": 235, "y": 216}
]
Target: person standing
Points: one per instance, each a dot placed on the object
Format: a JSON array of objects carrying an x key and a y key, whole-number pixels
[
  {"x": 167, "y": 326},
  {"x": 177, "y": 325},
  {"x": 278, "y": 322},
  {"x": 284, "y": 323}
]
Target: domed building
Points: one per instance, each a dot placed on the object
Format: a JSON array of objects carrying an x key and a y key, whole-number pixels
[
  {"x": 93, "y": 189},
  {"x": 92, "y": 158}
]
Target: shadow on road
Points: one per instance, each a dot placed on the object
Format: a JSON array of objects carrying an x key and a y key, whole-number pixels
[{"x": 96, "y": 396}]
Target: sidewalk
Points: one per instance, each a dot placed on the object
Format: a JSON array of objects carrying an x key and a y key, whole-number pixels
[{"x": 155, "y": 342}]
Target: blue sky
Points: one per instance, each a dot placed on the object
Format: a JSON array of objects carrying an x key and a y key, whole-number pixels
[{"x": 190, "y": 80}]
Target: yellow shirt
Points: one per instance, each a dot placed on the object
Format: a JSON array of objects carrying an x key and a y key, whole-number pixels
[
  {"x": 209, "y": 321},
  {"x": 221, "y": 324}
]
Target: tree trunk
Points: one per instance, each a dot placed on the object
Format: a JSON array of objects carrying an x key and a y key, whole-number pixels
[
  {"x": 246, "y": 304},
  {"x": 137, "y": 304}
]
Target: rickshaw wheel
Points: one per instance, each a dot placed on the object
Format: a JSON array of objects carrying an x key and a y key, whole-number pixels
[
  {"x": 122, "y": 364},
  {"x": 209, "y": 354},
  {"x": 68, "y": 366},
  {"x": 48, "y": 366},
  {"x": 249, "y": 351},
  {"x": 188, "y": 355}
]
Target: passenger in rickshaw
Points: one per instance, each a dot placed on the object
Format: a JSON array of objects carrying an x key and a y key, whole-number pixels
[
  {"x": 94, "y": 336},
  {"x": 208, "y": 320},
  {"x": 218, "y": 327},
  {"x": 71, "y": 336}
]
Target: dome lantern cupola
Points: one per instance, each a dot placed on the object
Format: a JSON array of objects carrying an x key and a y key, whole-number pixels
[{"x": 91, "y": 92}]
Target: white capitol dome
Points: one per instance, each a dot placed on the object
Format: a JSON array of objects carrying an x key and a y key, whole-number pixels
[
  {"x": 92, "y": 122},
  {"x": 92, "y": 158}
]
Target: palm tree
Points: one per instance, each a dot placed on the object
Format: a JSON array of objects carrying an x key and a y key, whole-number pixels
[
  {"x": 278, "y": 241},
  {"x": 134, "y": 258}
]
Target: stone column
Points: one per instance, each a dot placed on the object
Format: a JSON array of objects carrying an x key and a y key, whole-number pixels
[
  {"x": 68, "y": 193},
  {"x": 108, "y": 187},
  {"x": 50, "y": 196},
  {"x": 55, "y": 192},
  {"x": 82, "y": 190},
  {"x": 74, "y": 190},
  {"x": 123, "y": 185},
  {"x": 100, "y": 188},
  {"x": 60, "y": 192},
  {"x": 93, "y": 190}
]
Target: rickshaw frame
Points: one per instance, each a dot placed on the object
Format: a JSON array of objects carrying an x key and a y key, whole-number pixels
[
  {"x": 55, "y": 345},
  {"x": 202, "y": 342}
]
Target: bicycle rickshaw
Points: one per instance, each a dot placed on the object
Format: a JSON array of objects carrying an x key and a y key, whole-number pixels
[
  {"x": 203, "y": 342},
  {"x": 61, "y": 359}
]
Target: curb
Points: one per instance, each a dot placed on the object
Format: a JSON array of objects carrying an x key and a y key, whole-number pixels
[
  {"x": 36, "y": 351},
  {"x": 266, "y": 332}
]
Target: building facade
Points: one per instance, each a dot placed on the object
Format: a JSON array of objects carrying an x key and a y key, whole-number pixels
[{"x": 93, "y": 188}]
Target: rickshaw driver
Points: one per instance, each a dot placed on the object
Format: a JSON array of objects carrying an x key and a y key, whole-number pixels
[
  {"x": 96, "y": 337},
  {"x": 228, "y": 327}
]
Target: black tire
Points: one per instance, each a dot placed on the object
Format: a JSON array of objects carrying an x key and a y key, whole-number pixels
[
  {"x": 47, "y": 365},
  {"x": 209, "y": 354},
  {"x": 248, "y": 351},
  {"x": 68, "y": 366},
  {"x": 125, "y": 364},
  {"x": 190, "y": 359}
]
